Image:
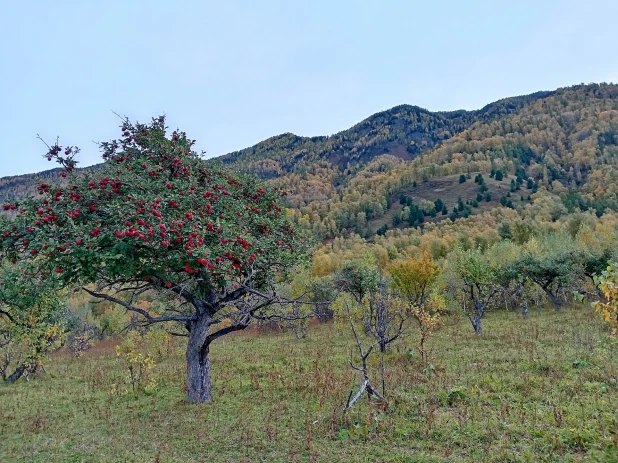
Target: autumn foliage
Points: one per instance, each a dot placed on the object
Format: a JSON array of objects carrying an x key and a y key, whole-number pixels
[
  {"x": 607, "y": 283},
  {"x": 415, "y": 281}
]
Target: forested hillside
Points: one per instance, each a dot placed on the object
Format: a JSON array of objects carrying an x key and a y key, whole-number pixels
[
  {"x": 391, "y": 169},
  {"x": 17, "y": 186},
  {"x": 404, "y": 131},
  {"x": 565, "y": 144}
]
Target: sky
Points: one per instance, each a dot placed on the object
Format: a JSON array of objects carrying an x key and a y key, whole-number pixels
[{"x": 233, "y": 73}]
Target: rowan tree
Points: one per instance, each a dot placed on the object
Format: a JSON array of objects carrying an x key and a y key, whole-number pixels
[{"x": 155, "y": 216}]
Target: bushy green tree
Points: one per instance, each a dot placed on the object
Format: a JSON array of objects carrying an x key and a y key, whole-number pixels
[
  {"x": 479, "y": 284},
  {"x": 554, "y": 263},
  {"x": 382, "y": 230},
  {"x": 31, "y": 320}
]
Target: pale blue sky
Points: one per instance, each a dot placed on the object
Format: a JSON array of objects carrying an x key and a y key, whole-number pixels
[{"x": 233, "y": 73}]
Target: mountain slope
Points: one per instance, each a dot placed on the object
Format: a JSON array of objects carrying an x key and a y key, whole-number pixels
[
  {"x": 565, "y": 143},
  {"x": 362, "y": 179},
  {"x": 404, "y": 131},
  {"x": 17, "y": 186}
]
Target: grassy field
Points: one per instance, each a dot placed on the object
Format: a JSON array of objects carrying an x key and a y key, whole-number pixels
[{"x": 538, "y": 390}]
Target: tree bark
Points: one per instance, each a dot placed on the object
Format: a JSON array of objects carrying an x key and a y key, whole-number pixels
[
  {"x": 477, "y": 323},
  {"x": 555, "y": 300},
  {"x": 19, "y": 371},
  {"x": 198, "y": 363},
  {"x": 478, "y": 326}
]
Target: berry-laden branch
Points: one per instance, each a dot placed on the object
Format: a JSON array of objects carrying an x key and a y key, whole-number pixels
[{"x": 65, "y": 157}]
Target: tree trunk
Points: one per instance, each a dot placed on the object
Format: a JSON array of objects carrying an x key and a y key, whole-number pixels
[
  {"x": 383, "y": 376},
  {"x": 477, "y": 319},
  {"x": 198, "y": 363},
  {"x": 477, "y": 323},
  {"x": 323, "y": 312},
  {"x": 19, "y": 371},
  {"x": 555, "y": 300},
  {"x": 525, "y": 313},
  {"x": 421, "y": 346},
  {"x": 478, "y": 326}
]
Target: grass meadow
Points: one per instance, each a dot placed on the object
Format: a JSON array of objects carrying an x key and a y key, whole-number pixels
[{"x": 543, "y": 389}]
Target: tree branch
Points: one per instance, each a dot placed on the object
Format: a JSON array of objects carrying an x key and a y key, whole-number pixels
[
  {"x": 228, "y": 329},
  {"x": 8, "y": 315},
  {"x": 132, "y": 308}
]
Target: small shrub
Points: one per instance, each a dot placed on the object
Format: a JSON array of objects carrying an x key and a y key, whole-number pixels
[
  {"x": 138, "y": 361},
  {"x": 455, "y": 395}
]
